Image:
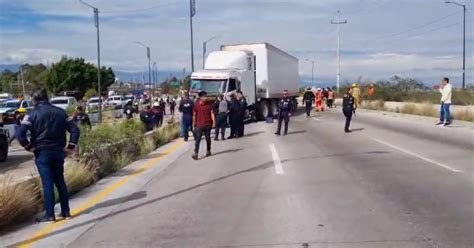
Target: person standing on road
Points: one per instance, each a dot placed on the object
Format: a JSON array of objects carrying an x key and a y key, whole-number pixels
[
  {"x": 17, "y": 123},
  {"x": 234, "y": 116},
  {"x": 243, "y": 109},
  {"x": 172, "y": 106},
  {"x": 157, "y": 115},
  {"x": 186, "y": 106},
  {"x": 203, "y": 121},
  {"x": 371, "y": 92},
  {"x": 355, "y": 93},
  {"x": 162, "y": 105},
  {"x": 128, "y": 110},
  {"x": 48, "y": 125},
  {"x": 221, "y": 110},
  {"x": 81, "y": 118},
  {"x": 348, "y": 109},
  {"x": 145, "y": 117},
  {"x": 319, "y": 100},
  {"x": 446, "y": 91},
  {"x": 330, "y": 97},
  {"x": 308, "y": 99},
  {"x": 284, "y": 112}
]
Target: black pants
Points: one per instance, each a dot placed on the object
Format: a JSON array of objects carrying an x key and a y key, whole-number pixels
[
  {"x": 234, "y": 125},
  {"x": 198, "y": 136},
  {"x": 283, "y": 117},
  {"x": 240, "y": 127},
  {"x": 348, "y": 115},
  {"x": 309, "y": 105},
  {"x": 221, "y": 125},
  {"x": 172, "y": 111},
  {"x": 330, "y": 103}
]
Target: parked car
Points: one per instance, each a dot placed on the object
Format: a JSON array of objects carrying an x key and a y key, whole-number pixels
[
  {"x": 118, "y": 102},
  {"x": 5, "y": 97},
  {"x": 92, "y": 105},
  {"x": 9, "y": 109},
  {"x": 3, "y": 144},
  {"x": 63, "y": 102}
]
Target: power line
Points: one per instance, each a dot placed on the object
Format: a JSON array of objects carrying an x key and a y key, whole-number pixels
[
  {"x": 408, "y": 30},
  {"x": 422, "y": 33}
]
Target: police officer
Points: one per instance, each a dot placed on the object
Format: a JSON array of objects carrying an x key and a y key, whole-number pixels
[
  {"x": 235, "y": 113},
  {"x": 81, "y": 118},
  {"x": 162, "y": 105},
  {"x": 243, "y": 109},
  {"x": 308, "y": 99},
  {"x": 348, "y": 109},
  {"x": 48, "y": 125},
  {"x": 172, "y": 106},
  {"x": 284, "y": 112},
  {"x": 186, "y": 106},
  {"x": 145, "y": 117},
  {"x": 157, "y": 113},
  {"x": 128, "y": 110}
]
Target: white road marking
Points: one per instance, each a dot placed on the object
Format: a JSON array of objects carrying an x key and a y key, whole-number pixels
[
  {"x": 276, "y": 160},
  {"x": 419, "y": 156},
  {"x": 316, "y": 118}
]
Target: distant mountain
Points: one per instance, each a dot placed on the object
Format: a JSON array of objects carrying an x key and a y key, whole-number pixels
[{"x": 12, "y": 67}]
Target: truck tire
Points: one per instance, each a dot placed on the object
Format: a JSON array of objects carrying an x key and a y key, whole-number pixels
[
  {"x": 3, "y": 148},
  {"x": 263, "y": 110},
  {"x": 274, "y": 106}
]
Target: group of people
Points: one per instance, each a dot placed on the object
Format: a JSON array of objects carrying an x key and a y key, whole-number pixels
[
  {"x": 320, "y": 98},
  {"x": 203, "y": 115},
  {"x": 152, "y": 116}
]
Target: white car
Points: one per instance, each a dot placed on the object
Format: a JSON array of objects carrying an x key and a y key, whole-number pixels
[
  {"x": 63, "y": 102},
  {"x": 92, "y": 105},
  {"x": 117, "y": 101}
]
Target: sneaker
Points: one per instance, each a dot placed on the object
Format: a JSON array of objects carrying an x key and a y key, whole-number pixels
[
  {"x": 230, "y": 137},
  {"x": 208, "y": 153},
  {"x": 216, "y": 139},
  {"x": 64, "y": 217},
  {"x": 439, "y": 123},
  {"x": 348, "y": 131},
  {"x": 277, "y": 133},
  {"x": 195, "y": 156},
  {"x": 447, "y": 124},
  {"x": 45, "y": 219}
]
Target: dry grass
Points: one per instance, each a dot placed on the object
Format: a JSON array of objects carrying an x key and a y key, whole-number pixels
[
  {"x": 18, "y": 202},
  {"x": 78, "y": 176},
  {"x": 465, "y": 115}
]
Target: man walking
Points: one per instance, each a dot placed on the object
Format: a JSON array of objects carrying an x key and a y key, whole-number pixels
[
  {"x": 446, "y": 93},
  {"x": 284, "y": 113},
  {"x": 186, "y": 106},
  {"x": 172, "y": 106},
  {"x": 308, "y": 99},
  {"x": 348, "y": 109},
  {"x": 48, "y": 125},
  {"x": 221, "y": 109},
  {"x": 203, "y": 121}
]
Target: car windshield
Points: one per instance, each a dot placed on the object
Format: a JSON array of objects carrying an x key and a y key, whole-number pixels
[
  {"x": 10, "y": 104},
  {"x": 59, "y": 101},
  {"x": 93, "y": 100},
  {"x": 210, "y": 86}
]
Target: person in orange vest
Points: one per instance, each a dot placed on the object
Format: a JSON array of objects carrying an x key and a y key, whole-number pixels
[
  {"x": 371, "y": 92},
  {"x": 330, "y": 97},
  {"x": 319, "y": 100}
]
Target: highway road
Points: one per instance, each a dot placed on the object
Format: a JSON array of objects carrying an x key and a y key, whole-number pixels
[{"x": 393, "y": 182}]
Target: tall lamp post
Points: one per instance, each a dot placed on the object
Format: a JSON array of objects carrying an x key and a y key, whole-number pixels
[
  {"x": 204, "y": 50},
  {"x": 96, "y": 22},
  {"x": 463, "y": 43},
  {"x": 155, "y": 76},
  {"x": 192, "y": 12},
  {"x": 312, "y": 71},
  {"x": 149, "y": 60},
  {"x": 338, "y": 23}
]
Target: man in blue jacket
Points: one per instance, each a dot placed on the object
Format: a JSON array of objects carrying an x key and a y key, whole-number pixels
[{"x": 48, "y": 125}]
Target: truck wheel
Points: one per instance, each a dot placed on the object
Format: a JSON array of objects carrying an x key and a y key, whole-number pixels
[
  {"x": 274, "y": 107},
  {"x": 3, "y": 148},
  {"x": 263, "y": 110}
]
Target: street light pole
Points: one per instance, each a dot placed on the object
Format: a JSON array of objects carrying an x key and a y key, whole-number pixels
[
  {"x": 148, "y": 52},
  {"x": 338, "y": 23},
  {"x": 96, "y": 22},
  {"x": 192, "y": 12},
  {"x": 312, "y": 71},
  {"x": 204, "y": 50},
  {"x": 463, "y": 44}
]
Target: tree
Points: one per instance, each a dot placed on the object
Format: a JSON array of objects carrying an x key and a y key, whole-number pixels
[
  {"x": 90, "y": 93},
  {"x": 74, "y": 74}
]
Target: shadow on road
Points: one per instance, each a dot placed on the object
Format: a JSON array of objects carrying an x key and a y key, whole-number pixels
[
  {"x": 252, "y": 134},
  {"x": 357, "y": 129},
  {"x": 120, "y": 200},
  {"x": 13, "y": 161},
  {"x": 227, "y": 151},
  {"x": 296, "y": 132}
]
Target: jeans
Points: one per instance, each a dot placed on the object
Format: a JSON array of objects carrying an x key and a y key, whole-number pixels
[
  {"x": 283, "y": 117},
  {"x": 444, "y": 113},
  {"x": 50, "y": 166},
  {"x": 348, "y": 115},
  {"x": 198, "y": 131},
  {"x": 186, "y": 125},
  {"x": 221, "y": 125}
]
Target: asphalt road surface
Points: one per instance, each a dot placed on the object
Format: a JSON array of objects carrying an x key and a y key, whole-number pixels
[{"x": 394, "y": 182}]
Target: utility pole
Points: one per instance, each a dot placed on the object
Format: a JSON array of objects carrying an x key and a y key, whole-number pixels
[
  {"x": 312, "y": 71},
  {"x": 192, "y": 12},
  {"x": 463, "y": 43},
  {"x": 148, "y": 55},
  {"x": 22, "y": 80},
  {"x": 204, "y": 50},
  {"x": 338, "y": 23},
  {"x": 96, "y": 23}
]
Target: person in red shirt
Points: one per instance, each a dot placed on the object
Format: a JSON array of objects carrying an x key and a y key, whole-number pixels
[{"x": 203, "y": 121}]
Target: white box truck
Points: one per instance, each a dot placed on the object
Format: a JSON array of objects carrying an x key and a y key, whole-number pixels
[{"x": 261, "y": 71}]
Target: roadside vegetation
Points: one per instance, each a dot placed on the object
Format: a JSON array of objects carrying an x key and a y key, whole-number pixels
[{"x": 102, "y": 151}]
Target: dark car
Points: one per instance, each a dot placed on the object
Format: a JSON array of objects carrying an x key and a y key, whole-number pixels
[{"x": 9, "y": 109}]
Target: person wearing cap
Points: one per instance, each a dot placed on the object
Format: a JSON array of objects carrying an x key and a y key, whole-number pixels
[
  {"x": 355, "y": 93},
  {"x": 186, "y": 106},
  {"x": 48, "y": 125},
  {"x": 348, "y": 109},
  {"x": 308, "y": 100},
  {"x": 81, "y": 118},
  {"x": 284, "y": 112},
  {"x": 203, "y": 121},
  {"x": 156, "y": 115},
  {"x": 21, "y": 112}
]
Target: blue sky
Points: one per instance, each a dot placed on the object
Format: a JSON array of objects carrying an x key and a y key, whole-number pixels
[{"x": 413, "y": 38}]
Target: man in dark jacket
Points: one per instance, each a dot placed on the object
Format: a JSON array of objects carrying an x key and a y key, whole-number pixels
[
  {"x": 186, "y": 106},
  {"x": 48, "y": 125},
  {"x": 235, "y": 114},
  {"x": 163, "y": 106},
  {"x": 128, "y": 110},
  {"x": 157, "y": 113},
  {"x": 145, "y": 117},
  {"x": 81, "y": 118},
  {"x": 243, "y": 109},
  {"x": 348, "y": 108},
  {"x": 308, "y": 99},
  {"x": 284, "y": 112},
  {"x": 172, "y": 106}
]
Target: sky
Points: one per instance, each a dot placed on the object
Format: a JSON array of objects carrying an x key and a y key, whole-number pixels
[{"x": 411, "y": 38}]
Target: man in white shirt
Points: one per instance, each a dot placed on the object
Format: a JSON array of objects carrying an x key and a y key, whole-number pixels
[{"x": 446, "y": 92}]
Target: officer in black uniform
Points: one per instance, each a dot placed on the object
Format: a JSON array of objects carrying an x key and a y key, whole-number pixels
[
  {"x": 284, "y": 112},
  {"x": 348, "y": 109},
  {"x": 235, "y": 114},
  {"x": 186, "y": 106},
  {"x": 145, "y": 117},
  {"x": 128, "y": 110},
  {"x": 81, "y": 118},
  {"x": 308, "y": 99}
]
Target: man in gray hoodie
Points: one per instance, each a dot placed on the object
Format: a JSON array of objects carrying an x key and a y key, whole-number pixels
[{"x": 221, "y": 111}]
